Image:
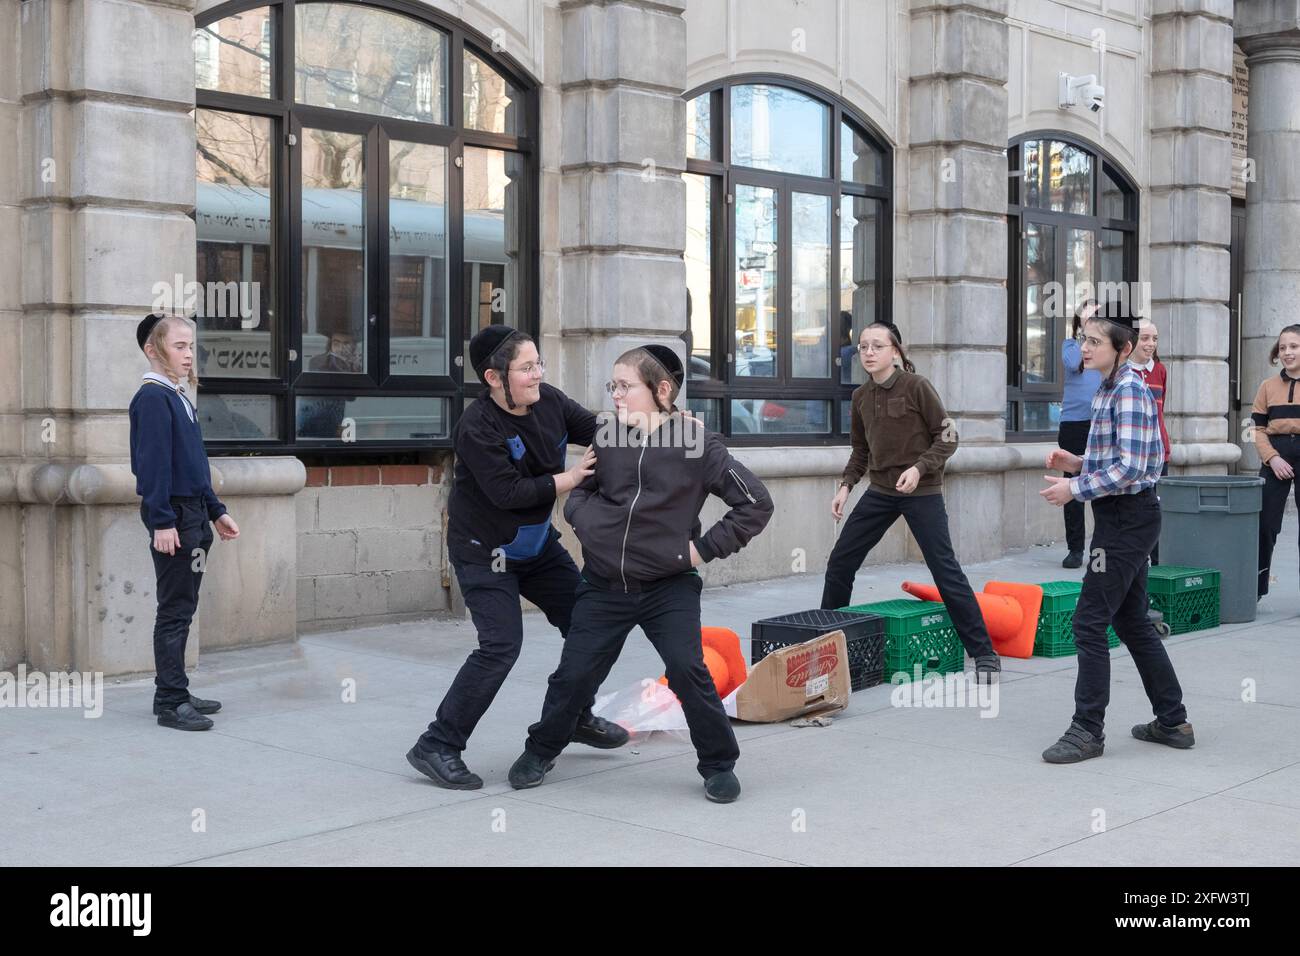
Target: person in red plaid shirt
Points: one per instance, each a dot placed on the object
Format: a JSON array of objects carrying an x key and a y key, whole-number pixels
[{"x": 1118, "y": 474}]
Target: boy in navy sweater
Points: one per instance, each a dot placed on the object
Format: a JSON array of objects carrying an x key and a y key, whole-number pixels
[{"x": 177, "y": 504}]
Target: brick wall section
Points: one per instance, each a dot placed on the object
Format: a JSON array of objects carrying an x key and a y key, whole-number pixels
[{"x": 370, "y": 544}]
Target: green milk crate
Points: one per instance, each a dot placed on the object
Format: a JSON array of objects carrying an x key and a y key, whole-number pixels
[
  {"x": 1187, "y": 597},
  {"x": 1055, "y": 634},
  {"x": 916, "y": 632}
]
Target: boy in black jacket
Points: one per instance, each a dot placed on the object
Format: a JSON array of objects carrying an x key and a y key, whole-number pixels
[
  {"x": 638, "y": 522},
  {"x": 510, "y": 454},
  {"x": 177, "y": 506}
]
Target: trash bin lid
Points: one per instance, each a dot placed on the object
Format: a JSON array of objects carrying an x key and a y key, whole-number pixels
[
  {"x": 1209, "y": 494},
  {"x": 1220, "y": 481}
]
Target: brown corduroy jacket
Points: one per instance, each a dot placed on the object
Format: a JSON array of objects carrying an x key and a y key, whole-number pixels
[{"x": 896, "y": 425}]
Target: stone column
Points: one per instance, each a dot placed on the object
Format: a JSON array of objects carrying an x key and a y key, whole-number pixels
[
  {"x": 1190, "y": 223},
  {"x": 955, "y": 321},
  {"x": 621, "y": 203},
  {"x": 105, "y": 184},
  {"x": 11, "y": 318},
  {"x": 105, "y": 178},
  {"x": 1268, "y": 31}
]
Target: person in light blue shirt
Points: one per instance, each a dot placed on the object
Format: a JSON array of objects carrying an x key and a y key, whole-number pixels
[{"x": 1081, "y": 385}]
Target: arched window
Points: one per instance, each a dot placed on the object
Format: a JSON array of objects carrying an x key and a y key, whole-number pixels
[
  {"x": 787, "y": 257},
  {"x": 1072, "y": 220},
  {"x": 365, "y": 202}
]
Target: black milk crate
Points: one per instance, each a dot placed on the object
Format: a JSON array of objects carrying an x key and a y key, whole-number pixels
[{"x": 864, "y": 635}]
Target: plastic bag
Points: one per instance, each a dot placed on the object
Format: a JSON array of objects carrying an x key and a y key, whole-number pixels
[{"x": 643, "y": 707}]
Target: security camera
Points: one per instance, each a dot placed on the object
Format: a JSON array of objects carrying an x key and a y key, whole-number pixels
[
  {"x": 1095, "y": 96},
  {"x": 1076, "y": 90}
]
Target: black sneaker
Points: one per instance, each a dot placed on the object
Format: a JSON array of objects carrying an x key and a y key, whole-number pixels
[
  {"x": 445, "y": 768},
  {"x": 1180, "y": 737},
  {"x": 600, "y": 733},
  {"x": 722, "y": 787},
  {"x": 198, "y": 703},
  {"x": 1075, "y": 744},
  {"x": 183, "y": 717},
  {"x": 988, "y": 667},
  {"x": 1073, "y": 560},
  {"x": 529, "y": 771}
]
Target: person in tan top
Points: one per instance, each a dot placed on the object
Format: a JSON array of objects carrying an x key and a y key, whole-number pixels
[
  {"x": 1275, "y": 420},
  {"x": 902, "y": 437}
]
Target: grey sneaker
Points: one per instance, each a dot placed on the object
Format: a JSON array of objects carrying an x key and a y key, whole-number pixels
[
  {"x": 1075, "y": 744},
  {"x": 1180, "y": 737}
]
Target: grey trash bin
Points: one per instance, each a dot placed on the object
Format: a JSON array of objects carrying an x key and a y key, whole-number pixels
[{"x": 1212, "y": 521}]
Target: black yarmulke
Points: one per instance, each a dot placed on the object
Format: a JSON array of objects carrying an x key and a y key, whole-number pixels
[
  {"x": 485, "y": 344},
  {"x": 669, "y": 360},
  {"x": 143, "y": 330},
  {"x": 1117, "y": 310}
]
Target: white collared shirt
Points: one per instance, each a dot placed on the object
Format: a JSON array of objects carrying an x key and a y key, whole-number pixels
[
  {"x": 152, "y": 376},
  {"x": 1146, "y": 366}
]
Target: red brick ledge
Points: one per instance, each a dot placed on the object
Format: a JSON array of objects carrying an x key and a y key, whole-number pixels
[{"x": 340, "y": 476}]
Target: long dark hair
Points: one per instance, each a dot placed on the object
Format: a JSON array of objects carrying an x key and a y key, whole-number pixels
[
  {"x": 1277, "y": 346},
  {"x": 895, "y": 339},
  {"x": 500, "y": 363}
]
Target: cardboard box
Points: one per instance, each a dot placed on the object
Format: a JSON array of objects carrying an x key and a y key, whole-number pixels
[{"x": 807, "y": 678}]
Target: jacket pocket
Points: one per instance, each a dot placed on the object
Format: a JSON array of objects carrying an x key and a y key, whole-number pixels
[
  {"x": 896, "y": 407},
  {"x": 743, "y": 487},
  {"x": 528, "y": 542}
]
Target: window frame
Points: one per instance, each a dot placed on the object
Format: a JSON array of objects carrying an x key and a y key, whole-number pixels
[
  {"x": 289, "y": 117},
  {"x": 1018, "y": 215},
  {"x": 725, "y": 386}
]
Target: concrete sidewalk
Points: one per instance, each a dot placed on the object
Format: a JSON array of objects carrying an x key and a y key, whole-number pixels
[{"x": 294, "y": 775}]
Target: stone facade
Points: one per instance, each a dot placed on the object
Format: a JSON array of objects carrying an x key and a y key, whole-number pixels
[
  {"x": 97, "y": 183},
  {"x": 370, "y": 545},
  {"x": 1190, "y": 228},
  {"x": 1268, "y": 31},
  {"x": 956, "y": 294},
  {"x": 620, "y": 151}
]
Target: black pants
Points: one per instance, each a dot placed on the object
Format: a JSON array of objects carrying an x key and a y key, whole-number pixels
[
  {"x": 669, "y": 613},
  {"x": 1073, "y": 437},
  {"x": 550, "y": 581},
  {"x": 1125, "y": 529},
  {"x": 178, "y": 579},
  {"x": 927, "y": 519},
  {"x": 1155, "y": 552},
  {"x": 1274, "y": 502}
]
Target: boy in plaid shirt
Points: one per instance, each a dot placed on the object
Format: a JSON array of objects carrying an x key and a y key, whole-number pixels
[
  {"x": 1117, "y": 474},
  {"x": 1125, "y": 452}
]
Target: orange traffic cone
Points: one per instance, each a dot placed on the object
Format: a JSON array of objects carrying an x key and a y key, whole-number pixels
[
  {"x": 1010, "y": 613},
  {"x": 723, "y": 658},
  {"x": 1030, "y": 599}
]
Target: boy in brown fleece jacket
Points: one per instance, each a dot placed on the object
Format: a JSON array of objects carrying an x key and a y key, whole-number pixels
[{"x": 902, "y": 437}]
